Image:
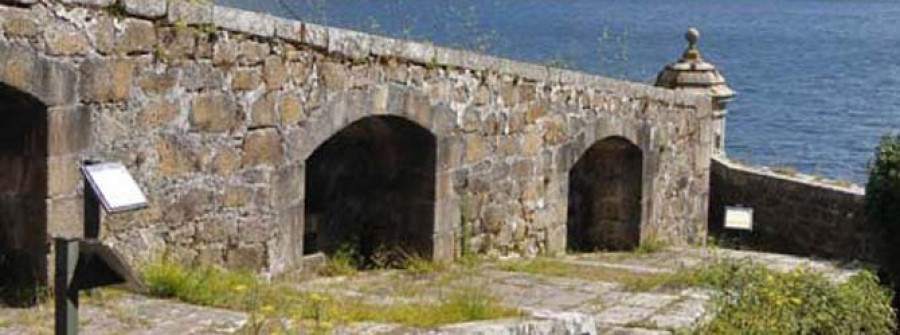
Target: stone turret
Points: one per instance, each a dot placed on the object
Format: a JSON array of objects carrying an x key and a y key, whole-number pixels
[{"x": 692, "y": 73}]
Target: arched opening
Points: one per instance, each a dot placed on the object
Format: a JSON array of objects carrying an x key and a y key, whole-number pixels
[
  {"x": 605, "y": 197},
  {"x": 23, "y": 194},
  {"x": 370, "y": 189}
]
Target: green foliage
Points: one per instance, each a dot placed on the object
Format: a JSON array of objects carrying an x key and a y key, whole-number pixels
[
  {"x": 203, "y": 286},
  {"x": 418, "y": 266},
  {"x": 752, "y": 299},
  {"x": 268, "y": 301},
  {"x": 344, "y": 262},
  {"x": 650, "y": 246},
  {"x": 883, "y": 203}
]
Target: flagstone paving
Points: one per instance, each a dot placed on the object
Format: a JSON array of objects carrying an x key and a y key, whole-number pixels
[{"x": 551, "y": 304}]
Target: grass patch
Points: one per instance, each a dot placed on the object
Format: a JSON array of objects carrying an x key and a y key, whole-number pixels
[
  {"x": 418, "y": 266},
  {"x": 277, "y": 301},
  {"x": 752, "y": 299},
  {"x": 556, "y": 268},
  {"x": 649, "y": 247},
  {"x": 344, "y": 262}
]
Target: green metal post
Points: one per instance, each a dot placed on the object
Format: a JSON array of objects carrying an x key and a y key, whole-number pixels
[{"x": 66, "y": 297}]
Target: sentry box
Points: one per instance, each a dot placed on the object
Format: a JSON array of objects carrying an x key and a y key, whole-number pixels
[{"x": 83, "y": 264}]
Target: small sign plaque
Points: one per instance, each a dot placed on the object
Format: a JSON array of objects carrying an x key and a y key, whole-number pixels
[
  {"x": 114, "y": 186},
  {"x": 739, "y": 218}
]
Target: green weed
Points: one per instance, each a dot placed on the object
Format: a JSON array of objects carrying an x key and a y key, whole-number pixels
[
  {"x": 752, "y": 299},
  {"x": 317, "y": 311},
  {"x": 344, "y": 262}
]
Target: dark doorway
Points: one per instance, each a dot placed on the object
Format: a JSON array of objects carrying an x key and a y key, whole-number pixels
[
  {"x": 605, "y": 197},
  {"x": 370, "y": 188},
  {"x": 23, "y": 194}
]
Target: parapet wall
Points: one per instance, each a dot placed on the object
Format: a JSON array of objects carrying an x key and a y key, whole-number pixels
[
  {"x": 793, "y": 213},
  {"x": 216, "y": 112}
]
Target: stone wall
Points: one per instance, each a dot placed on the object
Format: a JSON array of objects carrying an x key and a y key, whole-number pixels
[
  {"x": 216, "y": 111},
  {"x": 793, "y": 213}
]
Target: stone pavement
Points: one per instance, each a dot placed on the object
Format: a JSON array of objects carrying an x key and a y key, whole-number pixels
[
  {"x": 128, "y": 314},
  {"x": 564, "y": 305},
  {"x": 551, "y": 304}
]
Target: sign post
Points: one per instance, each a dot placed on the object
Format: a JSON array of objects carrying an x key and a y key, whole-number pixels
[
  {"x": 66, "y": 299},
  {"x": 83, "y": 264}
]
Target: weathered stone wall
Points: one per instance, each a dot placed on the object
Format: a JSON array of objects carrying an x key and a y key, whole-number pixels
[
  {"x": 793, "y": 213},
  {"x": 216, "y": 111}
]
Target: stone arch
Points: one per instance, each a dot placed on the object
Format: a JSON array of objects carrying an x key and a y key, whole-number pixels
[
  {"x": 346, "y": 108},
  {"x": 605, "y": 196},
  {"x": 371, "y": 187},
  {"x": 23, "y": 194}
]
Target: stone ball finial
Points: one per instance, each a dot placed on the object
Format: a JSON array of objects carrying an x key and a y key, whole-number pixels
[
  {"x": 693, "y": 73},
  {"x": 692, "y": 52},
  {"x": 692, "y": 35}
]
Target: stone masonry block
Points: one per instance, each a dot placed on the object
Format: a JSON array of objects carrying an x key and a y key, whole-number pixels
[
  {"x": 349, "y": 43},
  {"x": 290, "y": 185},
  {"x": 176, "y": 42},
  {"x": 103, "y": 29},
  {"x": 157, "y": 114},
  {"x": 64, "y": 40},
  {"x": 63, "y": 175},
  {"x": 289, "y": 248},
  {"x": 68, "y": 130},
  {"x": 262, "y": 147},
  {"x": 246, "y": 79},
  {"x": 190, "y": 12},
  {"x": 138, "y": 36},
  {"x": 289, "y": 30},
  {"x": 334, "y": 76},
  {"x": 197, "y": 76},
  {"x": 175, "y": 156},
  {"x": 315, "y": 35},
  {"x": 275, "y": 72},
  {"x": 150, "y": 9},
  {"x": 158, "y": 81},
  {"x": 106, "y": 80},
  {"x": 54, "y": 82},
  {"x": 213, "y": 112},
  {"x": 252, "y": 53},
  {"x": 226, "y": 162},
  {"x": 225, "y": 52},
  {"x": 18, "y": 66},
  {"x": 21, "y": 27},
  {"x": 263, "y": 111},
  {"x": 243, "y": 21},
  {"x": 291, "y": 110}
]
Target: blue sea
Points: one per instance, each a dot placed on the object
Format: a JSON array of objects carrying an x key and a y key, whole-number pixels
[{"x": 818, "y": 81}]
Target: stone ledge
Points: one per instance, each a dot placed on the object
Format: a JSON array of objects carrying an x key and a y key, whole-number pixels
[
  {"x": 150, "y": 9},
  {"x": 242, "y": 21},
  {"x": 190, "y": 13},
  {"x": 356, "y": 44},
  {"x": 798, "y": 178}
]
